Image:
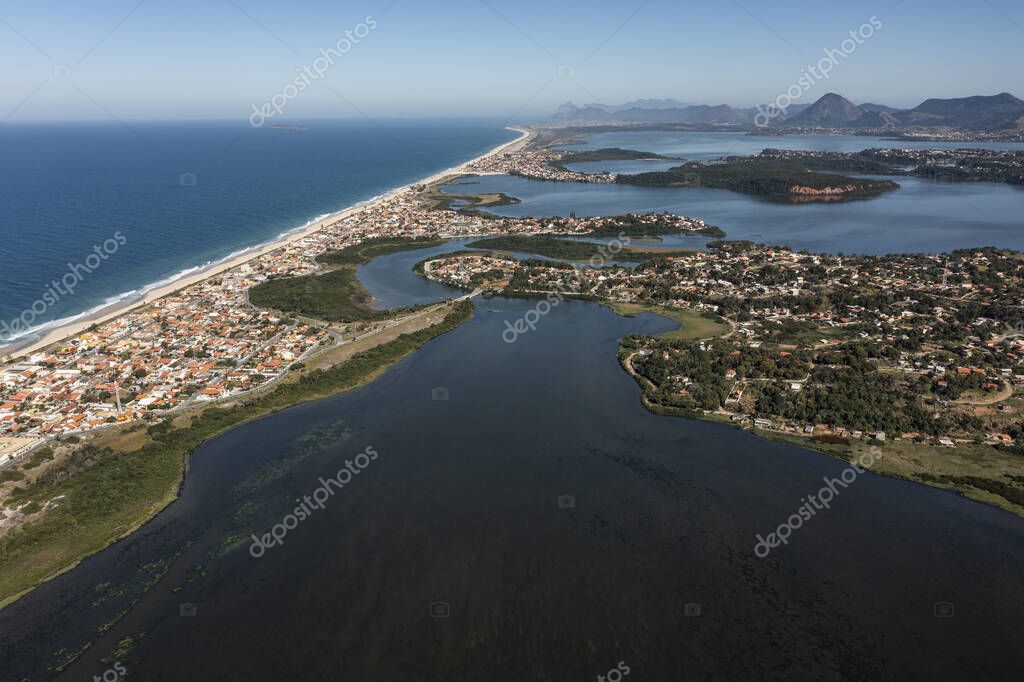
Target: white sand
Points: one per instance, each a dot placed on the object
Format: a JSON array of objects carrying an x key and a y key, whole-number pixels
[{"x": 64, "y": 332}]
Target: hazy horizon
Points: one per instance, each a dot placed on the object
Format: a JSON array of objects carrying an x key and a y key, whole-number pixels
[{"x": 148, "y": 60}]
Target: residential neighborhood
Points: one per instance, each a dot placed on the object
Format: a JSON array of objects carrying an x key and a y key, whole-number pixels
[{"x": 922, "y": 348}]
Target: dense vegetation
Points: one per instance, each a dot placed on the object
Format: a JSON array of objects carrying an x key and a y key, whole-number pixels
[
  {"x": 763, "y": 177},
  {"x": 335, "y": 295},
  {"x": 630, "y": 224},
  {"x": 560, "y": 248},
  {"x": 867, "y": 401},
  {"x": 692, "y": 375},
  {"x": 848, "y": 164},
  {"x": 998, "y": 487},
  {"x": 843, "y": 388},
  {"x": 950, "y": 165},
  {"x": 541, "y": 245},
  {"x": 364, "y": 252},
  {"x": 608, "y": 154}
]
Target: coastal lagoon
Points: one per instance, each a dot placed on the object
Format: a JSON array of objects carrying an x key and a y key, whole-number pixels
[
  {"x": 921, "y": 216},
  {"x": 527, "y": 518},
  {"x": 704, "y": 146}
]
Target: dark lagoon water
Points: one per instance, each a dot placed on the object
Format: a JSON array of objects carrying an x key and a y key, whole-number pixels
[
  {"x": 461, "y": 508},
  {"x": 393, "y": 284},
  {"x": 652, "y": 564},
  {"x": 921, "y": 216}
]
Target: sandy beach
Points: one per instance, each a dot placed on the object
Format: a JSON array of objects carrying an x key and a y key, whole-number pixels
[{"x": 64, "y": 332}]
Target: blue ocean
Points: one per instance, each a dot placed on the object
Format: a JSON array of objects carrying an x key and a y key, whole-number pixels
[{"x": 179, "y": 195}]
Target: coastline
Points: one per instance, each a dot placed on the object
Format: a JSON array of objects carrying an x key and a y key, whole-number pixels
[
  {"x": 897, "y": 465},
  {"x": 164, "y": 464},
  {"x": 107, "y": 312},
  {"x": 172, "y": 461}
]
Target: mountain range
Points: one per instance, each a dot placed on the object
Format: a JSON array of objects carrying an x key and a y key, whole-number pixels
[{"x": 1002, "y": 112}]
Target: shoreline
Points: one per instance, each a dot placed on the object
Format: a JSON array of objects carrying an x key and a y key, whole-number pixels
[
  {"x": 334, "y": 379},
  {"x": 111, "y": 311}
]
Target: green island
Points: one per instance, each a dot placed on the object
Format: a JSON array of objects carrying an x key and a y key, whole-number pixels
[
  {"x": 436, "y": 199},
  {"x": 107, "y": 487},
  {"x": 790, "y": 181},
  {"x": 609, "y": 154}
]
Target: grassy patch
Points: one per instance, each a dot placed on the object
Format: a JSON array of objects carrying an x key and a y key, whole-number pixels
[
  {"x": 38, "y": 457},
  {"x": 694, "y": 325},
  {"x": 980, "y": 472},
  {"x": 436, "y": 199},
  {"x": 336, "y": 295}
]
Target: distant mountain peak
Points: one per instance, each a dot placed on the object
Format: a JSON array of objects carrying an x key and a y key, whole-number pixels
[
  {"x": 1000, "y": 112},
  {"x": 978, "y": 112},
  {"x": 830, "y": 110}
]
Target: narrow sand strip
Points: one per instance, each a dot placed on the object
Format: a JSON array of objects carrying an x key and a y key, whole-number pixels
[{"x": 58, "y": 334}]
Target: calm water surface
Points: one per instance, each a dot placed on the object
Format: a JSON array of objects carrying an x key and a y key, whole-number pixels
[
  {"x": 184, "y": 194},
  {"x": 703, "y": 146},
  {"x": 921, "y": 216},
  {"x": 461, "y": 511},
  {"x": 461, "y": 507}
]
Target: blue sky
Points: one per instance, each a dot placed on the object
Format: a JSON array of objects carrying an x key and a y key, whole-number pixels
[{"x": 194, "y": 59}]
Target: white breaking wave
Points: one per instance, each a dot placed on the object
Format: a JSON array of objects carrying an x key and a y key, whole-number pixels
[{"x": 33, "y": 334}]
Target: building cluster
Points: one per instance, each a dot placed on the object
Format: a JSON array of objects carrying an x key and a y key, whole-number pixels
[
  {"x": 471, "y": 270},
  {"x": 539, "y": 164},
  {"x": 946, "y": 327},
  {"x": 200, "y": 344},
  {"x": 922, "y": 134},
  {"x": 206, "y": 343},
  {"x": 940, "y": 164}
]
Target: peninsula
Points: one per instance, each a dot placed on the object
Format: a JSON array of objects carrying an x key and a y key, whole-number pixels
[{"x": 916, "y": 353}]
